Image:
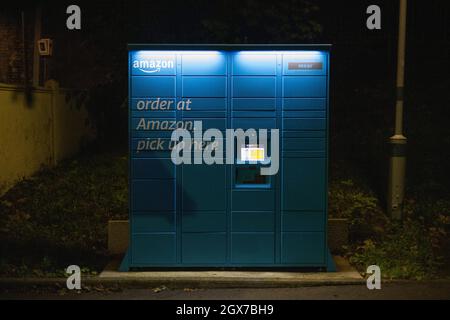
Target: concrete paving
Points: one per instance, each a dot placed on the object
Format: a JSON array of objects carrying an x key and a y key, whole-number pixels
[
  {"x": 409, "y": 290},
  {"x": 345, "y": 275}
]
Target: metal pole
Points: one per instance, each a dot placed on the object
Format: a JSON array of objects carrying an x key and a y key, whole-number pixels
[{"x": 398, "y": 140}]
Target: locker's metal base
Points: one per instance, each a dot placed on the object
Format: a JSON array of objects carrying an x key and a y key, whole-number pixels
[
  {"x": 125, "y": 265},
  {"x": 331, "y": 266}
]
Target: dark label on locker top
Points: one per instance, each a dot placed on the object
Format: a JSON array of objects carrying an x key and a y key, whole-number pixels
[{"x": 305, "y": 65}]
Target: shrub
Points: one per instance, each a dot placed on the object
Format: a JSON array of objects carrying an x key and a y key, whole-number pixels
[
  {"x": 360, "y": 206},
  {"x": 58, "y": 217},
  {"x": 405, "y": 252},
  {"x": 416, "y": 248}
]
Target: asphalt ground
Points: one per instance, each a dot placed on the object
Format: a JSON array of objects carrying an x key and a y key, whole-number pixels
[{"x": 436, "y": 290}]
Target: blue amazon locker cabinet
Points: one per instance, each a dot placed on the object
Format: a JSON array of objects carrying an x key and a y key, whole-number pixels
[{"x": 228, "y": 215}]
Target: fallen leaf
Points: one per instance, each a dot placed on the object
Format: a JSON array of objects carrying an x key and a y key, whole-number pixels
[{"x": 159, "y": 289}]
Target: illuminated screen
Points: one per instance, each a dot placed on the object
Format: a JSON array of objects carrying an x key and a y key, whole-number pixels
[{"x": 252, "y": 154}]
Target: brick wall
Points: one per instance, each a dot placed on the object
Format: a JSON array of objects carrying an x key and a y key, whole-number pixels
[{"x": 12, "y": 69}]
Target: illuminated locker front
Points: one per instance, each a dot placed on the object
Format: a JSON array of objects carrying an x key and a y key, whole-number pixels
[{"x": 199, "y": 196}]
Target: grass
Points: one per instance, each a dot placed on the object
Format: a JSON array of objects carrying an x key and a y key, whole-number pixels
[
  {"x": 418, "y": 247},
  {"x": 58, "y": 217}
]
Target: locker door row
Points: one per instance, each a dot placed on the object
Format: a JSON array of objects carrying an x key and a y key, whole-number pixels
[{"x": 230, "y": 214}]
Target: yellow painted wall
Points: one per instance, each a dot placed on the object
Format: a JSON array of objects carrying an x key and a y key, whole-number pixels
[{"x": 40, "y": 134}]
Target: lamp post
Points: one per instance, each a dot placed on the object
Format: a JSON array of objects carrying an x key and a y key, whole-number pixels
[{"x": 398, "y": 141}]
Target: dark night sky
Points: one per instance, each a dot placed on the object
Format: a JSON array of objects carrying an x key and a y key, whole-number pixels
[
  {"x": 362, "y": 64},
  {"x": 108, "y": 25}
]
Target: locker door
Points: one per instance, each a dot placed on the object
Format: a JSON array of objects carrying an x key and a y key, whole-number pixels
[
  {"x": 204, "y": 187},
  {"x": 152, "y": 175},
  {"x": 303, "y": 208},
  {"x": 253, "y": 101}
]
